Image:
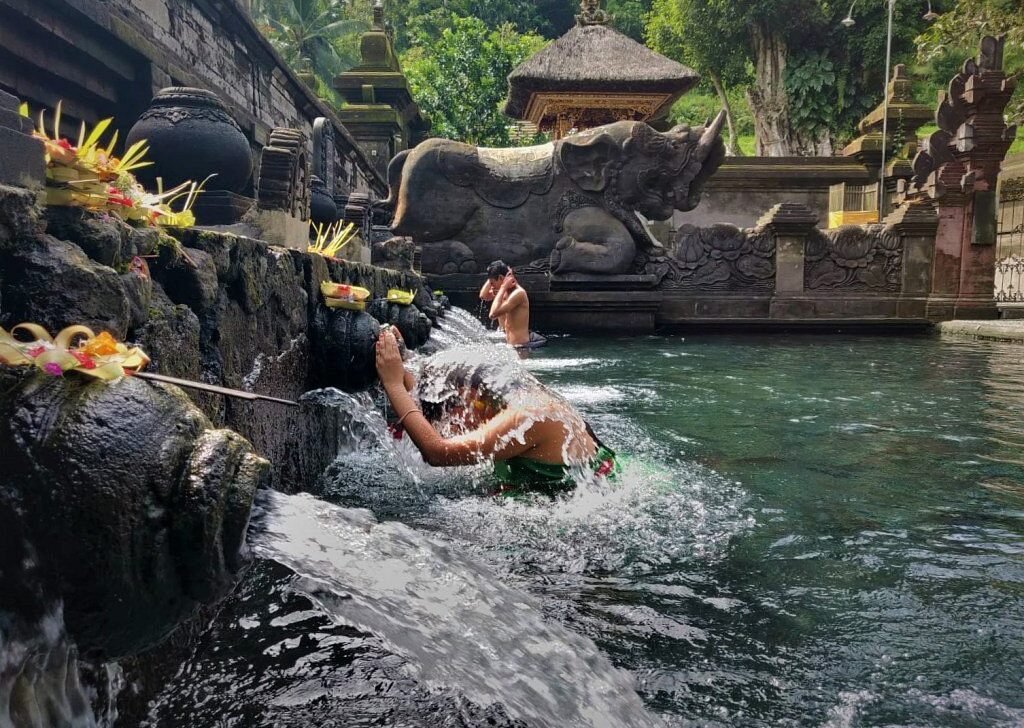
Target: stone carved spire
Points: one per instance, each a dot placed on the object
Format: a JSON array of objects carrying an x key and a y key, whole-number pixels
[
  {"x": 378, "y": 15},
  {"x": 591, "y": 13},
  {"x": 965, "y": 154}
]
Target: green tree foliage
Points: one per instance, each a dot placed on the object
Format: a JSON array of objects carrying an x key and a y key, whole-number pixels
[
  {"x": 956, "y": 34},
  {"x": 685, "y": 30},
  {"x": 459, "y": 79},
  {"x": 420, "y": 22},
  {"x": 812, "y": 80},
  {"x": 630, "y": 16},
  {"x": 312, "y": 35}
]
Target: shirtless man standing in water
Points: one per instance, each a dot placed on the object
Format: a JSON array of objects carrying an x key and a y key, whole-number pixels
[{"x": 509, "y": 303}]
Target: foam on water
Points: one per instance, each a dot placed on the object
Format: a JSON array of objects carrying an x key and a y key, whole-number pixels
[
  {"x": 650, "y": 516},
  {"x": 41, "y": 679},
  {"x": 553, "y": 364}
]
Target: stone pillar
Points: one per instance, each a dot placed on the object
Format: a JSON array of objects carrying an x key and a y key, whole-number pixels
[
  {"x": 357, "y": 212},
  {"x": 790, "y": 223},
  {"x": 916, "y": 224},
  {"x": 282, "y": 209},
  {"x": 958, "y": 168},
  {"x": 21, "y": 155}
]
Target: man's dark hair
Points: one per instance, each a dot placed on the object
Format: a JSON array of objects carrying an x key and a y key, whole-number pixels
[{"x": 497, "y": 269}]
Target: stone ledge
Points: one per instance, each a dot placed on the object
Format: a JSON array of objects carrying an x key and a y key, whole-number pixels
[
  {"x": 582, "y": 282},
  {"x": 1012, "y": 330}
]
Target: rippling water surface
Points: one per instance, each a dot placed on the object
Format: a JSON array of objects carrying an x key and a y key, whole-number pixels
[{"x": 821, "y": 531}]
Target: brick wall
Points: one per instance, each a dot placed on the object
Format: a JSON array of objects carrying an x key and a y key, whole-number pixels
[{"x": 108, "y": 57}]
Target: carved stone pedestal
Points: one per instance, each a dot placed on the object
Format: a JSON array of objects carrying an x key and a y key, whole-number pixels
[
  {"x": 220, "y": 207},
  {"x": 282, "y": 210},
  {"x": 278, "y": 227}
]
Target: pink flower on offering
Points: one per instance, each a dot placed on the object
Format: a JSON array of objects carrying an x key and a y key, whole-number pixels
[
  {"x": 86, "y": 361},
  {"x": 35, "y": 351},
  {"x": 64, "y": 144},
  {"x": 53, "y": 368}
]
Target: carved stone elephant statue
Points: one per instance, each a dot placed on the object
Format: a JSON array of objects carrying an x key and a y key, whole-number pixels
[{"x": 570, "y": 204}]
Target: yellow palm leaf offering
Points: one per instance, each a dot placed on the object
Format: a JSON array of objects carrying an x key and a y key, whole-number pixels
[
  {"x": 87, "y": 174},
  {"x": 402, "y": 298},
  {"x": 342, "y": 295},
  {"x": 331, "y": 239},
  {"x": 75, "y": 348}
]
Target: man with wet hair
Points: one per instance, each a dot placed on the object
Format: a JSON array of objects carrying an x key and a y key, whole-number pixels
[
  {"x": 510, "y": 306},
  {"x": 463, "y": 413}
]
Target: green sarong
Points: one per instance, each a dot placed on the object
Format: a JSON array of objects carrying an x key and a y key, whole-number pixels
[{"x": 522, "y": 474}]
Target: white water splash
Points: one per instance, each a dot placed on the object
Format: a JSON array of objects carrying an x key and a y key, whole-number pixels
[
  {"x": 457, "y": 622},
  {"x": 41, "y": 680}
]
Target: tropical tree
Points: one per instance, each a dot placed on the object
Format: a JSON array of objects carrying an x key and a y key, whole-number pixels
[
  {"x": 956, "y": 33},
  {"x": 313, "y": 35},
  {"x": 629, "y": 16},
  {"x": 811, "y": 78},
  {"x": 674, "y": 29},
  {"x": 421, "y": 22},
  {"x": 459, "y": 80}
]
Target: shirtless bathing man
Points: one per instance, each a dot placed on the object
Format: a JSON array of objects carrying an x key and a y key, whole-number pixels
[{"x": 510, "y": 305}]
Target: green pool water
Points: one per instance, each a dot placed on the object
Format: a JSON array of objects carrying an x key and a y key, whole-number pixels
[
  {"x": 808, "y": 530},
  {"x": 867, "y": 567}
]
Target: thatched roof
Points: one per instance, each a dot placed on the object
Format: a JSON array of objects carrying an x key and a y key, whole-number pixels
[{"x": 596, "y": 58}]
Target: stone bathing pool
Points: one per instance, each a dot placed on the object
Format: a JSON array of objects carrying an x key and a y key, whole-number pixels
[{"x": 820, "y": 531}]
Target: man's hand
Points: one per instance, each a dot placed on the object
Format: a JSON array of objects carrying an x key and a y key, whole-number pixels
[{"x": 389, "y": 360}]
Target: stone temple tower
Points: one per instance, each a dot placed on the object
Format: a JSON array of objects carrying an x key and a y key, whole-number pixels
[{"x": 380, "y": 112}]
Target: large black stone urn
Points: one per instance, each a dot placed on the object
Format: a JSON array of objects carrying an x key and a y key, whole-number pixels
[
  {"x": 344, "y": 349},
  {"x": 322, "y": 209},
  {"x": 190, "y": 136}
]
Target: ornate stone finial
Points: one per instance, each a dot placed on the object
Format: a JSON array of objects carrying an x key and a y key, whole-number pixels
[
  {"x": 991, "y": 56},
  {"x": 900, "y": 86},
  {"x": 591, "y": 13},
  {"x": 789, "y": 218},
  {"x": 378, "y": 15}
]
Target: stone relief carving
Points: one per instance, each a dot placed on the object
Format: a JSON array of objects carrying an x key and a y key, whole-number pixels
[
  {"x": 540, "y": 266},
  {"x": 574, "y": 201},
  {"x": 719, "y": 257},
  {"x": 854, "y": 257},
  {"x": 284, "y": 182},
  {"x": 177, "y": 103}
]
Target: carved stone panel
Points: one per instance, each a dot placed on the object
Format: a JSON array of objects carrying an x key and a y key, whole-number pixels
[
  {"x": 717, "y": 258},
  {"x": 854, "y": 257}
]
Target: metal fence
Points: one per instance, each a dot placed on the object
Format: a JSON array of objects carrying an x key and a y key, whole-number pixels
[{"x": 1009, "y": 281}]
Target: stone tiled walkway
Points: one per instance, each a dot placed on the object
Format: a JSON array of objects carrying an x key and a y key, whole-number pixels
[{"x": 1012, "y": 330}]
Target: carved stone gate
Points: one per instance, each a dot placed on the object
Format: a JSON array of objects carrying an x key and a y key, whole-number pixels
[{"x": 1009, "y": 278}]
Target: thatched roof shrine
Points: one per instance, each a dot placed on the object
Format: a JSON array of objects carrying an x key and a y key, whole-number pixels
[{"x": 595, "y": 75}]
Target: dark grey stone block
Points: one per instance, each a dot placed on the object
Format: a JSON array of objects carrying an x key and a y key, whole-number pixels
[
  {"x": 21, "y": 159},
  {"x": 8, "y": 102},
  {"x": 582, "y": 282}
]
